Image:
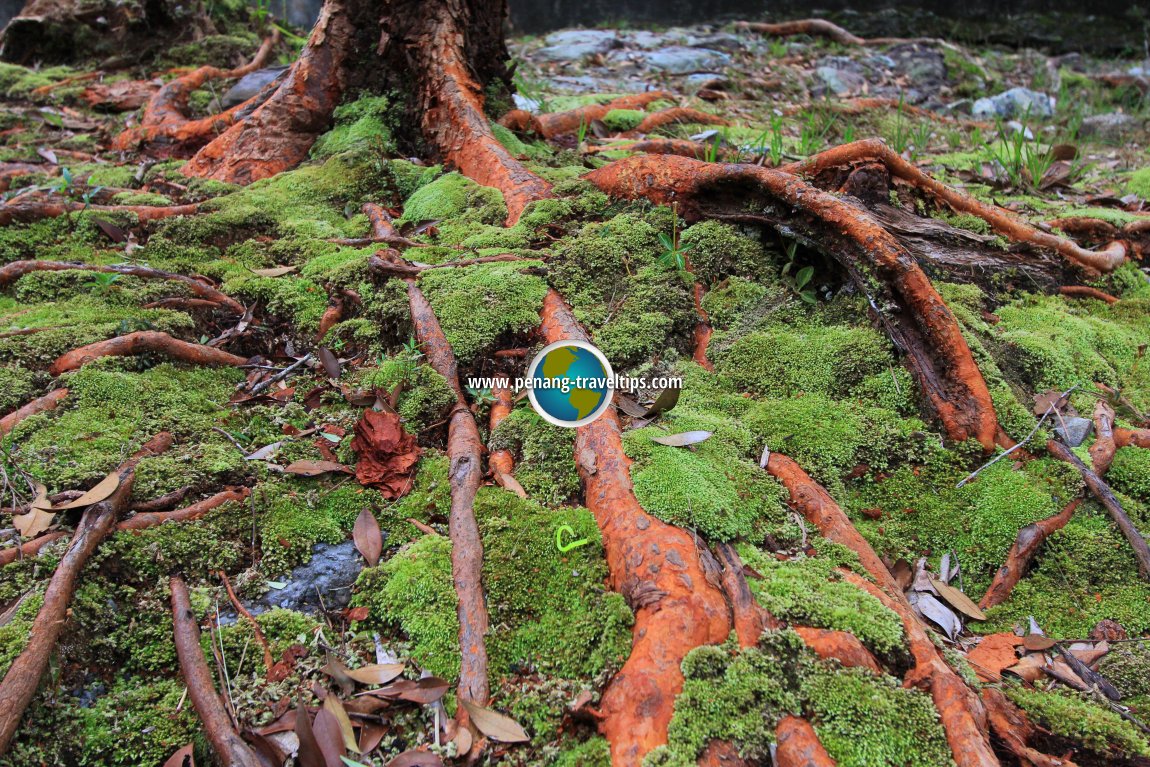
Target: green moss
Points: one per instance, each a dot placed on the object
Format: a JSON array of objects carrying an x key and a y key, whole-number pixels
[
  {"x": 214, "y": 50},
  {"x": 1130, "y": 472},
  {"x": 14, "y": 633},
  {"x": 425, "y": 396},
  {"x": 809, "y": 591},
  {"x": 730, "y": 299},
  {"x": 429, "y": 501},
  {"x": 1081, "y": 719},
  {"x": 360, "y": 124},
  {"x": 1139, "y": 183},
  {"x": 1127, "y": 667},
  {"x": 619, "y": 120},
  {"x": 479, "y": 306},
  {"x": 141, "y": 198},
  {"x": 137, "y": 722},
  {"x": 453, "y": 195},
  {"x": 719, "y": 250},
  {"x": 18, "y": 82},
  {"x": 593, "y": 752},
  {"x": 544, "y": 455},
  {"x": 17, "y": 386},
  {"x": 301, "y": 514}
]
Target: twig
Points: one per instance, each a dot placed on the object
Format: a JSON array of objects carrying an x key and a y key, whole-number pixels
[
  {"x": 259, "y": 387},
  {"x": 236, "y": 603}
]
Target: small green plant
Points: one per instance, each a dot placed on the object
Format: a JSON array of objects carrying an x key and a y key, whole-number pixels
[
  {"x": 920, "y": 139},
  {"x": 103, "y": 282},
  {"x": 776, "y": 139},
  {"x": 673, "y": 256},
  {"x": 901, "y": 136},
  {"x": 1023, "y": 162},
  {"x": 813, "y": 133},
  {"x": 581, "y": 134},
  {"x": 798, "y": 281}
]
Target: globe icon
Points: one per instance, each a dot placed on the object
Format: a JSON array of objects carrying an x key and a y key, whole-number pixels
[{"x": 569, "y": 383}]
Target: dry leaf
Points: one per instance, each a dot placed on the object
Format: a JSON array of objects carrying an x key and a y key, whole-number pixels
[
  {"x": 370, "y": 735},
  {"x": 376, "y": 673},
  {"x": 102, "y": 490},
  {"x": 182, "y": 758},
  {"x": 367, "y": 537},
  {"x": 41, "y": 500},
  {"x": 463, "y": 741},
  {"x": 310, "y": 754},
  {"x": 958, "y": 600},
  {"x": 494, "y": 725},
  {"x": 666, "y": 400},
  {"x": 416, "y": 759},
  {"x": 275, "y": 271},
  {"x": 387, "y": 454},
  {"x": 330, "y": 362},
  {"x": 1037, "y": 642},
  {"x": 33, "y": 523},
  {"x": 683, "y": 439},
  {"x": 628, "y": 405},
  {"x": 329, "y": 736},
  {"x": 938, "y": 613},
  {"x": 335, "y": 706},
  {"x": 314, "y": 468},
  {"x": 426, "y": 690}
]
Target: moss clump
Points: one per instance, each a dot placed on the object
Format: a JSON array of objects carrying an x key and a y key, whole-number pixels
[
  {"x": 809, "y": 590},
  {"x": 300, "y": 514},
  {"x": 214, "y": 49},
  {"x": 14, "y": 633},
  {"x": 1081, "y": 719},
  {"x": 1130, "y": 472},
  {"x": 480, "y": 305},
  {"x": 453, "y": 195},
  {"x": 360, "y": 124},
  {"x": 1139, "y": 183},
  {"x": 544, "y": 455},
  {"x": 620, "y": 120},
  {"x": 718, "y": 251},
  {"x": 1127, "y": 667},
  {"x": 17, "y": 386},
  {"x": 137, "y": 723},
  {"x": 593, "y": 752},
  {"x": 783, "y": 361},
  {"x": 429, "y": 501},
  {"x": 425, "y": 395},
  {"x": 726, "y": 302}
]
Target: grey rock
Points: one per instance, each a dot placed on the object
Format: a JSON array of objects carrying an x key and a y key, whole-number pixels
[
  {"x": 329, "y": 575},
  {"x": 1074, "y": 431},
  {"x": 842, "y": 82},
  {"x": 249, "y": 85},
  {"x": 698, "y": 80},
  {"x": 1015, "y": 103},
  {"x": 723, "y": 41},
  {"x": 1108, "y": 127},
  {"x": 923, "y": 67},
  {"x": 682, "y": 60},
  {"x": 577, "y": 44}
]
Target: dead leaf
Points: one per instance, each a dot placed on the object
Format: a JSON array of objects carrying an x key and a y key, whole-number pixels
[
  {"x": 1037, "y": 642},
  {"x": 310, "y": 754},
  {"x": 938, "y": 613},
  {"x": 314, "y": 468},
  {"x": 48, "y": 155},
  {"x": 387, "y": 454},
  {"x": 628, "y": 405},
  {"x": 1028, "y": 669},
  {"x": 1048, "y": 400},
  {"x": 494, "y": 725},
  {"x": 368, "y": 539},
  {"x": 426, "y": 690},
  {"x": 329, "y": 737},
  {"x": 33, "y": 523},
  {"x": 102, "y": 490},
  {"x": 110, "y": 230},
  {"x": 265, "y": 453},
  {"x": 1063, "y": 152},
  {"x": 335, "y": 706},
  {"x": 182, "y": 758},
  {"x": 463, "y": 741},
  {"x": 994, "y": 654},
  {"x": 330, "y": 362},
  {"x": 416, "y": 759},
  {"x": 958, "y": 600},
  {"x": 666, "y": 400},
  {"x": 903, "y": 574},
  {"x": 683, "y": 439},
  {"x": 340, "y": 674},
  {"x": 370, "y": 735},
  {"x": 376, "y": 673},
  {"x": 275, "y": 271}
]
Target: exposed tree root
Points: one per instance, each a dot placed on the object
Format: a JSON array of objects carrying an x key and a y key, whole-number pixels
[
  {"x": 798, "y": 745},
  {"x": 1085, "y": 291},
  {"x": 23, "y": 677},
  {"x": 1022, "y": 552},
  {"x": 26, "y": 212},
  {"x": 49, "y": 401},
  {"x": 673, "y": 115},
  {"x": 703, "y": 329},
  {"x": 677, "y": 146},
  {"x": 749, "y": 618},
  {"x": 501, "y": 462},
  {"x": 164, "y": 502},
  {"x": 672, "y": 585},
  {"x": 464, "y": 451},
  {"x": 874, "y": 150},
  {"x": 230, "y": 748},
  {"x": 827, "y": 29},
  {"x": 841, "y": 646},
  {"x": 30, "y": 548},
  {"x": 144, "y": 520},
  {"x": 1014, "y": 730},
  {"x": 563, "y": 123},
  {"x": 17, "y": 269},
  {"x": 1104, "y": 447},
  {"x": 145, "y": 342},
  {"x": 269, "y": 662},
  {"x": 1132, "y": 437},
  {"x": 879, "y": 265},
  {"x": 1106, "y": 497},
  {"x": 389, "y": 263}
]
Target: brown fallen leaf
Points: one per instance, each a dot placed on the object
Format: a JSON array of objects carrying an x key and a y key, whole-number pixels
[
  {"x": 310, "y": 754},
  {"x": 1028, "y": 668},
  {"x": 275, "y": 271},
  {"x": 683, "y": 439},
  {"x": 387, "y": 454},
  {"x": 370, "y": 736},
  {"x": 104, "y": 488},
  {"x": 368, "y": 538},
  {"x": 666, "y": 400},
  {"x": 376, "y": 673},
  {"x": 335, "y": 706},
  {"x": 330, "y": 363},
  {"x": 426, "y": 690},
  {"x": 494, "y": 725},
  {"x": 314, "y": 468},
  {"x": 416, "y": 759},
  {"x": 182, "y": 758},
  {"x": 958, "y": 600},
  {"x": 33, "y": 523},
  {"x": 509, "y": 482},
  {"x": 1037, "y": 642},
  {"x": 329, "y": 737}
]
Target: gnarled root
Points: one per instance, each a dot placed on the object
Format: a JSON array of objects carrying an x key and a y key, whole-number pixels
[
  {"x": 26, "y": 212},
  {"x": 879, "y": 265},
  {"x": 1104, "y": 447},
  {"x": 874, "y": 150},
  {"x": 1022, "y": 552},
  {"x": 1014, "y": 730},
  {"x": 1085, "y": 291},
  {"x": 562, "y": 123},
  {"x": 29, "y": 548},
  {"x": 227, "y": 743},
  {"x": 671, "y": 584},
  {"x": 748, "y": 616},
  {"x": 673, "y": 115},
  {"x": 49, "y": 401},
  {"x": 799, "y": 746},
  {"x": 143, "y": 342},
  {"x": 501, "y": 462},
  {"x": 842, "y": 646},
  {"x": 17, "y": 269},
  {"x": 23, "y": 677},
  {"x": 1132, "y": 437},
  {"x": 144, "y": 520},
  {"x": 464, "y": 451}
]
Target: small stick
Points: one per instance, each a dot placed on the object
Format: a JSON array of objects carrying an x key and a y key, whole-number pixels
[
  {"x": 281, "y": 375},
  {"x": 236, "y": 603}
]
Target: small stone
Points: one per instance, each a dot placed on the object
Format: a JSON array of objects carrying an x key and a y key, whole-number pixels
[
  {"x": 1112, "y": 126},
  {"x": 841, "y": 81},
  {"x": 681, "y": 60},
  {"x": 329, "y": 575},
  {"x": 577, "y": 44},
  {"x": 1015, "y": 102},
  {"x": 249, "y": 85},
  {"x": 1074, "y": 431}
]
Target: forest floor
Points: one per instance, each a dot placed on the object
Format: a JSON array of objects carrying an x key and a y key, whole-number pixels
[{"x": 799, "y": 368}]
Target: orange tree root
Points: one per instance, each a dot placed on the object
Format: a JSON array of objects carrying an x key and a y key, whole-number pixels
[
  {"x": 49, "y": 401},
  {"x": 226, "y": 742},
  {"x": 144, "y": 342},
  {"x": 842, "y": 646},
  {"x": 464, "y": 451},
  {"x": 677, "y": 146},
  {"x": 17, "y": 269},
  {"x": 1085, "y": 291},
  {"x": 501, "y": 462},
  {"x": 1104, "y": 447},
  {"x": 144, "y": 520},
  {"x": 677, "y": 115},
  {"x": 959, "y": 710},
  {"x": 34, "y": 211},
  {"x": 563, "y": 123},
  {"x": 749, "y": 618},
  {"x": 798, "y": 745},
  {"x": 1022, "y": 552},
  {"x": 1132, "y": 437},
  {"x": 1105, "y": 496},
  {"x": 671, "y": 586},
  {"x": 874, "y": 150},
  {"x": 30, "y": 548},
  {"x": 880, "y": 266},
  {"x": 812, "y": 27},
  {"x": 23, "y": 677},
  {"x": 1014, "y": 730}
]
